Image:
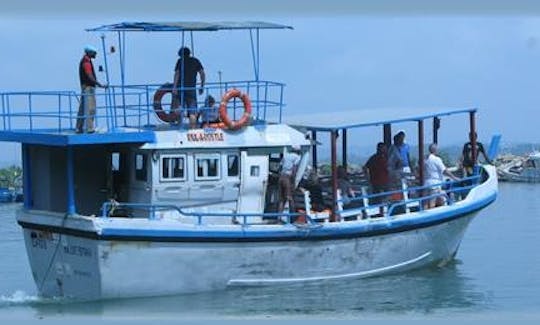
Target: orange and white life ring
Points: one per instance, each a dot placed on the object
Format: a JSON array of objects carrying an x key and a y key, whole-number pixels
[
  {"x": 244, "y": 120},
  {"x": 173, "y": 114}
]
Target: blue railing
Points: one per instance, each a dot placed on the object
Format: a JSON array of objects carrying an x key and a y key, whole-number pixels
[
  {"x": 450, "y": 190},
  {"x": 128, "y": 106},
  {"x": 108, "y": 208}
]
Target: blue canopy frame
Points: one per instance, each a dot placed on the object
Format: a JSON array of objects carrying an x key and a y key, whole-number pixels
[{"x": 187, "y": 26}]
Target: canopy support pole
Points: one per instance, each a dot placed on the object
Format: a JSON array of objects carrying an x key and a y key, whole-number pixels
[
  {"x": 472, "y": 120},
  {"x": 344, "y": 148},
  {"x": 436, "y": 126},
  {"x": 333, "y": 140},
  {"x": 314, "y": 161},
  {"x": 27, "y": 176},
  {"x": 421, "y": 152},
  {"x": 387, "y": 135}
]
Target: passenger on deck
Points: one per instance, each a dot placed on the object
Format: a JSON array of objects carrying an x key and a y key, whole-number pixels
[
  {"x": 394, "y": 165},
  {"x": 377, "y": 169},
  {"x": 87, "y": 77},
  {"x": 466, "y": 157},
  {"x": 402, "y": 150},
  {"x": 185, "y": 80},
  {"x": 434, "y": 171},
  {"x": 210, "y": 112},
  {"x": 289, "y": 167},
  {"x": 311, "y": 183}
]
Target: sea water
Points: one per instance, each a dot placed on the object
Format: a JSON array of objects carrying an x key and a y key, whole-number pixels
[{"x": 496, "y": 274}]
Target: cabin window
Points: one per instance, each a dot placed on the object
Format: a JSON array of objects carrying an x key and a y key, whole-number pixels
[
  {"x": 207, "y": 167},
  {"x": 232, "y": 165},
  {"x": 115, "y": 161},
  {"x": 173, "y": 168},
  {"x": 255, "y": 171},
  {"x": 140, "y": 167}
]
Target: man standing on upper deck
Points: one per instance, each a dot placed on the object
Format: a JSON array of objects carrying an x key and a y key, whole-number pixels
[
  {"x": 185, "y": 78},
  {"x": 87, "y": 77}
]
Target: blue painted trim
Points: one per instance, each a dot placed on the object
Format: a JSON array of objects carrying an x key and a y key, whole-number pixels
[
  {"x": 42, "y": 137},
  {"x": 394, "y": 121},
  {"x": 27, "y": 176},
  {"x": 288, "y": 234},
  {"x": 293, "y": 233},
  {"x": 71, "y": 209}
]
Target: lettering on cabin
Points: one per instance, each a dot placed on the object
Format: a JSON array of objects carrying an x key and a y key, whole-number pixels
[{"x": 205, "y": 137}]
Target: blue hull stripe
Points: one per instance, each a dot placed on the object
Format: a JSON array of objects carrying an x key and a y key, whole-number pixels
[{"x": 290, "y": 233}]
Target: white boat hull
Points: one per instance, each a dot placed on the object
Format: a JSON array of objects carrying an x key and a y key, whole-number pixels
[
  {"x": 93, "y": 269},
  {"x": 94, "y": 258}
]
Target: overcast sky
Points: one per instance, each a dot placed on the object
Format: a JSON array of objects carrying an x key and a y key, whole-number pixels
[{"x": 339, "y": 57}]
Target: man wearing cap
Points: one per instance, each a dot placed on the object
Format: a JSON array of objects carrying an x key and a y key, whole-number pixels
[
  {"x": 185, "y": 76},
  {"x": 87, "y": 77}
]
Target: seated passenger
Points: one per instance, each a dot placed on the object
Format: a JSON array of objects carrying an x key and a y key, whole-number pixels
[
  {"x": 377, "y": 169},
  {"x": 434, "y": 171},
  {"x": 210, "y": 112},
  {"x": 311, "y": 183}
]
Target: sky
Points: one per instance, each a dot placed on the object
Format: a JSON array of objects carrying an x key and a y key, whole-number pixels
[{"x": 340, "y": 56}]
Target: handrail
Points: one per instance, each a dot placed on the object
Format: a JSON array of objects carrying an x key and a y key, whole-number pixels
[
  {"x": 56, "y": 111},
  {"x": 414, "y": 188},
  {"x": 108, "y": 208}
]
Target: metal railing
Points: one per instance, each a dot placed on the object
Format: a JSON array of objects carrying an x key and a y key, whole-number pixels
[
  {"x": 449, "y": 193},
  {"x": 110, "y": 207},
  {"x": 128, "y": 106}
]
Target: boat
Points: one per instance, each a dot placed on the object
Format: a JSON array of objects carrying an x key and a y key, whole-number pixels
[
  {"x": 146, "y": 207},
  {"x": 6, "y": 196},
  {"x": 521, "y": 169}
]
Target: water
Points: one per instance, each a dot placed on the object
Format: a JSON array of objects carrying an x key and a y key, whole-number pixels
[{"x": 496, "y": 273}]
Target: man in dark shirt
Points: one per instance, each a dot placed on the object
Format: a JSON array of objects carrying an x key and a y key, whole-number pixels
[
  {"x": 185, "y": 80},
  {"x": 466, "y": 158},
  {"x": 87, "y": 77},
  {"x": 377, "y": 169}
]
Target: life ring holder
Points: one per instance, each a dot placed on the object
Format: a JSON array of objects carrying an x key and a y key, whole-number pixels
[
  {"x": 173, "y": 114},
  {"x": 226, "y": 121}
]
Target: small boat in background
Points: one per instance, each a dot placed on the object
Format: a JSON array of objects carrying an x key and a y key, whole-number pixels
[
  {"x": 6, "y": 195},
  {"x": 520, "y": 169}
]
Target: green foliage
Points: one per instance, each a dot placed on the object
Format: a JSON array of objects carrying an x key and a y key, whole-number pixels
[{"x": 11, "y": 177}]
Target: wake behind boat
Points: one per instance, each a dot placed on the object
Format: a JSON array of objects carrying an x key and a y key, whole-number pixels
[{"x": 149, "y": 206}]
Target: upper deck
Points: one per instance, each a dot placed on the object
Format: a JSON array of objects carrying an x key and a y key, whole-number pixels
[
  {"x": 124, "y": 114},
  {"x": 126, "y": 111}
]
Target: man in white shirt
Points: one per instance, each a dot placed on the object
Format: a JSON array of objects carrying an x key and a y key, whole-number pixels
[
  {"x": 434, "y": 171},
  {"x": 289, "y": 166}
]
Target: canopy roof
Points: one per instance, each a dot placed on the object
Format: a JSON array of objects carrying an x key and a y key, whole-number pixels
[
  {"x": 185, "y": 26},
  {"x": 332, "y": 120}
]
